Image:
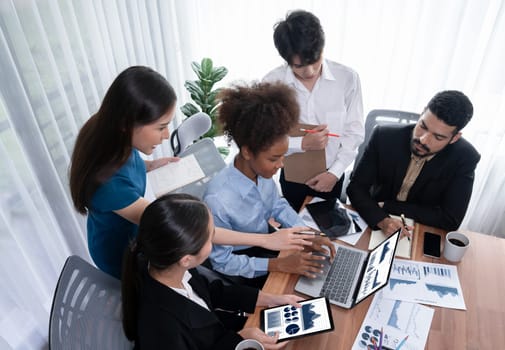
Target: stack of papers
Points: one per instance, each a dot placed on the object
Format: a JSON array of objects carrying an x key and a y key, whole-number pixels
[{"x": 396, "y": 311}]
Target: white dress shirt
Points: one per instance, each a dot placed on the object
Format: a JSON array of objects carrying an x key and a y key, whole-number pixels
[{"x": 336, "y": 101}]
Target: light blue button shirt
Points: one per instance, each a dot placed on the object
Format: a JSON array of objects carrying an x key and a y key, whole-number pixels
[{"x": 237, "y": 203}]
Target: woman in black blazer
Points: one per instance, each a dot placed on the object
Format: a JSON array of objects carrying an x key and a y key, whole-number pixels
[{"x": 166, "y": 303}]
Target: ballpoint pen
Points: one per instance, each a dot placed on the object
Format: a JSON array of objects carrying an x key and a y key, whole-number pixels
[
  {"x": 314, "y": 131},
  {"x": 380, "y": 338},
  {"x": 402, "y": 342},
  {"x": 404, "y": 222}
]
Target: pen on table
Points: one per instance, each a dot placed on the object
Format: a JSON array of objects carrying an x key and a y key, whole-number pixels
[
  {"x": 404, "y": 222},
  {"x": 401, "y": 343},
  {"x": 314, "y": 131},
  {"x": 380, "y": 338}
]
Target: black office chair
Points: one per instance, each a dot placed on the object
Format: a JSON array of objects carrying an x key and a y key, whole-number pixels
[
  {"x": 86, "y": 310},
  {"x": 377, "y": 117}
]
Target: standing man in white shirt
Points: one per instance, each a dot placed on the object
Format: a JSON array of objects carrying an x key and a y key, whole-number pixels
[{"x": 329, "y": 95}]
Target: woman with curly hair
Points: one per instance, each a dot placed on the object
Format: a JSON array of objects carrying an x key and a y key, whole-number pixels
[{"x": 243, "y": 196}]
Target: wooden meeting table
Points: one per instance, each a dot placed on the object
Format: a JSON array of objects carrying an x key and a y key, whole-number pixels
[{"x": 481, "y": 326}]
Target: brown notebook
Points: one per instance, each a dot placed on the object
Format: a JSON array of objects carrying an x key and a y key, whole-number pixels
[{"x": 302, "y": 166}]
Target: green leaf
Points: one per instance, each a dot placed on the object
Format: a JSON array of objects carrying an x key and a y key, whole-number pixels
[
  {"x": 206, "y": 85},
  {"x": 219, "y": 73},
  {"x": 213, "y": 112},
  {"x": 196, "y": 67},
  {"x": 224, "y": 151},
  {"x": 189, "y": 109},
  {"x": 212, "y": 131},
  {"x": 211, "y": 97},
  {"x": 195, "y": 91},
  {"x": 207, "y": 67}
]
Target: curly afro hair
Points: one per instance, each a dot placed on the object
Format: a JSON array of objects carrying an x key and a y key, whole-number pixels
[{"x": 258, "y": 115}]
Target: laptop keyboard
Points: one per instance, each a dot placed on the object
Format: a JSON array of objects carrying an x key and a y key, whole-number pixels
[{"x": 341, "y": 276}]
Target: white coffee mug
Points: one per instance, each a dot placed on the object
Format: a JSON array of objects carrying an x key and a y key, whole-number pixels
[
  {"x": 249, "y": 344},
  {"x": 456, "y": 244}
]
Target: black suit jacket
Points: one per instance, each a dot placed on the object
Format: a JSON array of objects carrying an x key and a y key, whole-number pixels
[
  {"x": 168, "y": 320},
  {"x": 440, "y": 195}
]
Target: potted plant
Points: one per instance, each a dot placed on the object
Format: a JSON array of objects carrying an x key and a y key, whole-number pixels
[{"x": 204, "y": 96}]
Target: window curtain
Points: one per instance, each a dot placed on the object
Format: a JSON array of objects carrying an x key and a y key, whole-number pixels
[
  {"x": 57, "y": 58},
  {"x": 404, "y": 51}
]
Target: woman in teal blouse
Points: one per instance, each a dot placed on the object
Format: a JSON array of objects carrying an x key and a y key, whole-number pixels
[{"x": 108, "y": 176}]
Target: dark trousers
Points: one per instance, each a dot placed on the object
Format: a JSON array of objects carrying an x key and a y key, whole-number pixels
[{"x": 296, "y": 193}]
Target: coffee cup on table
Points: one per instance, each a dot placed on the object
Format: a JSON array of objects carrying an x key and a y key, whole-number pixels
[
  {"x": 249, "y": 344},
  {"x": 456, "y": 244}
]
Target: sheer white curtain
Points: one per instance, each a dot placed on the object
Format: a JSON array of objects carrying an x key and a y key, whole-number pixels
[
  {"x": 57, "y": 58},
  {"x": 56, "y": 61},
  {"x": 404, "y": 51}
]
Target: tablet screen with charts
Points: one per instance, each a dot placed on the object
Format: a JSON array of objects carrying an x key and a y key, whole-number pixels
[{"x": 291, "y": 322}]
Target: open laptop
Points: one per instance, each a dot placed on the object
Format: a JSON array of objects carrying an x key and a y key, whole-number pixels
[{"x": 353, "y": 275}]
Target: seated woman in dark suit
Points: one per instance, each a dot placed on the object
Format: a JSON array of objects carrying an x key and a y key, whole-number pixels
[{"x": 166, "y": 303}]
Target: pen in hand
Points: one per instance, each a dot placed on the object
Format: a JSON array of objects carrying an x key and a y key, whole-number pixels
[
  {"x": 404, "y": 222},
  {"x": 314, "y": 131}
]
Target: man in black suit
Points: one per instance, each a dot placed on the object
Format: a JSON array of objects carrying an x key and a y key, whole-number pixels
[{"x": 424, "y": 171}]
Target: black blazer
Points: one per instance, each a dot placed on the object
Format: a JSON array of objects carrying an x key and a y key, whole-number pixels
[
  {"x": 168, "y": 320},
  {"x": 440, "y": 195}
]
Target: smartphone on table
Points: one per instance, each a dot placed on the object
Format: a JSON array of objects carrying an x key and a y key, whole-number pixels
[{"x": 431, "y": 246}]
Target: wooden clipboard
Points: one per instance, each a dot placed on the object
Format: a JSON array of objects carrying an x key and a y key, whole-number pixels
[{"x": 302, "y": 166}]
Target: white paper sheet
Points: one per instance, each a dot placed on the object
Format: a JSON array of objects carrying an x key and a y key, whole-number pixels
[
  {"x": 425, "y": 283},
  {"x": 397, "y": 320}
]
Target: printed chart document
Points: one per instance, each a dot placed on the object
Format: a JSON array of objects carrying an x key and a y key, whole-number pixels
[
  {"x": 174, "y": 175},
  {"x": 404, "y": 248},
  {"x": 397, "y": 319},
  {"x": 425, "y": 283}
]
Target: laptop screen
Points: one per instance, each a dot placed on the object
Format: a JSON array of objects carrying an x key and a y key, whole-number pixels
[{"x": 378, "y": 267}]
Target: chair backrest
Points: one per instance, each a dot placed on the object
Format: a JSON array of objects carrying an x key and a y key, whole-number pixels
[
  {"x": 190, "y": 130},
  {"x": 377, "y": 117},
  {"x": 381, "y": 117},
  {"x": 86, "y": 310},
  {"x": 210, "y": 161}
]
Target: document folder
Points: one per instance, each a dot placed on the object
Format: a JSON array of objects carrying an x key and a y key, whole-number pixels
[{"x": 302, "y": 166}]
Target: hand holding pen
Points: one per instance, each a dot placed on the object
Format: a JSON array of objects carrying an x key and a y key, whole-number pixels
[
  {"x": 314, "y": 131},
  {"x": 405, "y": 226},
  {"x": 315, "y": 138}
]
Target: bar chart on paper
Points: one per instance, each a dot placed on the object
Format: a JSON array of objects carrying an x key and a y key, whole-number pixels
[{"x": 426, "y": 283}]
